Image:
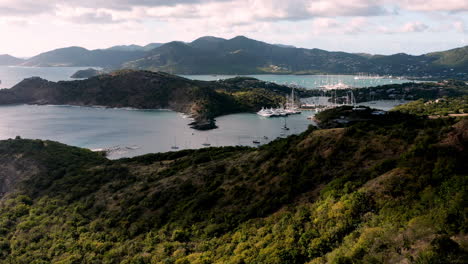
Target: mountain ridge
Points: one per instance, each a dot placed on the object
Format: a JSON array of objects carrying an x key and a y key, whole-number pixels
[{"x": 241, "y": 55}]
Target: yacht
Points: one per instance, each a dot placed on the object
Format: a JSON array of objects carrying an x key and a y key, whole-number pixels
[{"x": 265, "y": 112}]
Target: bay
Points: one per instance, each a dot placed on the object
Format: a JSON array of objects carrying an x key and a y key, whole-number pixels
[
  {"x": 136, "y": 132},
  {"x": 129, "y": 132}
]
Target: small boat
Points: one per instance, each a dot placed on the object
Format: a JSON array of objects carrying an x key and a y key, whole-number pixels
[
  {"x": 206, "y": 144},
  {"x": 256, "y": 142},
  {"x": 285, "y": 127},
  {"x": 265, "y": 137},
  {"x": 175, "y": 144}
]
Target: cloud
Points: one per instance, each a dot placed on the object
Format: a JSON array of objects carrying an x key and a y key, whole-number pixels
[
  {"x": 434, "y": 5},
  {"x": 414, "y": 27},
  {"x": 410, "y": 27},
  {"x": 94, "y": 18},
  {"x": 460, "y": 27},
  {"x": 24, "y": 7},
  {"x": 228, "y": 12}
]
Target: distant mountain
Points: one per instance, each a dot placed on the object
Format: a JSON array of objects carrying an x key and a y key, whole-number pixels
[
  {"x": 284, "y": 46},
  {"x": 457, "y": 58},
  {"x": 126, "y": 47},
  {"x": 77, "y": 56},
  {"x": 152, "y": 46},
  {"x": 136, "y": 47},
  {"x": 241, "y": 55},
  {"x": 9, "y": 60}
]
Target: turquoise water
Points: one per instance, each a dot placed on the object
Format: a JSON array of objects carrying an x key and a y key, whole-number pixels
[{"x": 308, "y": 81}]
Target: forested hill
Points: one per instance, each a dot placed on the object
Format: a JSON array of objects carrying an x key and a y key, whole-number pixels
[
  {"x": 391, "y": 189},
  {"x": 241, "y": 55}
]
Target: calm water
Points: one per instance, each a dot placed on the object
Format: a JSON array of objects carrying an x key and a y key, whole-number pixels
[
  {"x": 136, "y": 132},
  {"x": 308, "y": 81},
  {"x": 11, "y": 75}
]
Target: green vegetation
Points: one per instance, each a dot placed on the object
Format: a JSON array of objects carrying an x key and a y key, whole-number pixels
[
  {"x": 377, "y": 191},
  {"x": 440, "y": 107},
  {"x": 241, "y": 55},
  {"x": 405, "y": 91},
  {"x": 153, "y": 90}
]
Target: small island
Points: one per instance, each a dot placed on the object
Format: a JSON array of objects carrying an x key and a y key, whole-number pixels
[{"x": 87, "y": 73}]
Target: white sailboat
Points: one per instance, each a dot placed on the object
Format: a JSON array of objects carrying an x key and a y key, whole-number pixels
[
  {"x": 175, "y": 147},
  {"x": 206, "y": 143}
]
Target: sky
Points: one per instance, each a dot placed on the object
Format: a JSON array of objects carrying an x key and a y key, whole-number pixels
[{"x": 29, "y": 27}]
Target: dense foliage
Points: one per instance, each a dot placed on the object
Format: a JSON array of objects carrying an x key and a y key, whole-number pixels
[
  {"x": 373, "y": 192},
  {"x": 404, "y": 91},
  {"x": 202, "y": 100},
  {"x": 457, "y": 106}
]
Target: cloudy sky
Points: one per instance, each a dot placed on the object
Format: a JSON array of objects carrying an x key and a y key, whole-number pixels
[{"x": 28, "y": 27}]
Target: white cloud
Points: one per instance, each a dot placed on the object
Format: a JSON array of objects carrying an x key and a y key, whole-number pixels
[
  {"x": 460, "y": 27},
  {"x": 434, "y": 5},
  {"x": 414, "y": 27},
  {"x": 409, "y": 27}
]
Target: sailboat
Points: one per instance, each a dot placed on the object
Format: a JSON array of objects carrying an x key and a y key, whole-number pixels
[
  {"x": 285, "y": 127},
  {"x": 206, "y": 144},
  {"x": 175, "y": 144}
]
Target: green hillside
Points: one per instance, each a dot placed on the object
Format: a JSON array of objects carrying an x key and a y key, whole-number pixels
[
  {"x": 241, "y": 55},
  {"x": 387, "y": 190},
  {"x": 453, "y": 58}
]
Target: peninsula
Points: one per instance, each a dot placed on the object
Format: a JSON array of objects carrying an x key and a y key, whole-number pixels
[{"x": 202, "y": 100}]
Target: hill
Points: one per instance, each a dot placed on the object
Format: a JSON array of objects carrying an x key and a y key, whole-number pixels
[
  {"x": 86, "y": 73},
  {"x": 133, "y": 47},
  {"x": 241, "y": 55},
  {"x": 81, "y": 57},
  {"x": 152, "y": 90},
  {"x": 9, "y": 60},
  {"x": 390, "y": 190}
]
